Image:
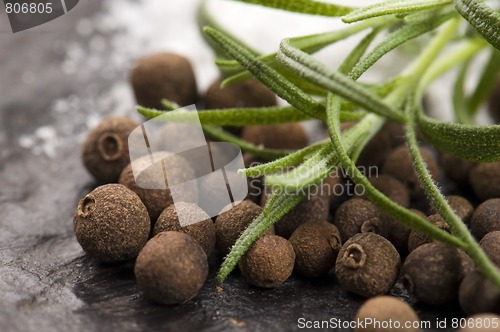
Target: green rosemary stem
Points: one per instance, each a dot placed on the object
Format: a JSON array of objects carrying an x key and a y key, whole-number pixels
[
  {"x": 439, "y": 202},
  {"x": 415, "y": 71},
  {"x": 435, "y": 196},
  {"x": 385, "y": 204},
  {"x": 460, "y": 54}
]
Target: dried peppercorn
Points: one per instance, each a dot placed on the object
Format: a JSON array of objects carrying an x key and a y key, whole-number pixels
[
  {"x": 491, "y": 246},
  {"x": 316, "y": 245},
  {"x": 359, "y": 215},
  {"x": 485, "y": 180},
  {"x": 399, "y": 165},
  {"x": 152, "y": 176},
  {"x": 477, "y": 294},
  {"x": 269, "y": 262},
  {"x": 203, "y": 230},
  {"x": 281, "y": 136},
  {"x": 111, "y": 223},
  {"x": 163, "y": 75},
  {"x": 105, "y": 150},
  {"x": 171, "y": 268},
  {"x": 462, "y": 207},
  {"x": 433, "y": 272},
  {"x": 368, "y": 265},
  {"x": 387, "y": 311},
  {"x": 485, "y": 218},
  {"x": 230, "y": 224}
]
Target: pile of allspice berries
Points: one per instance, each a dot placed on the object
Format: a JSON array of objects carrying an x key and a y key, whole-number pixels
[{"x": 327, "y": 234}]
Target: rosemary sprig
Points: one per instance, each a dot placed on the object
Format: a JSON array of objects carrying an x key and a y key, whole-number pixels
[{"x": 296, "y": 76}]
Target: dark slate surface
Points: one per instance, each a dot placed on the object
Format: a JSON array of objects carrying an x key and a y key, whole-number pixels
[{"x": 46, "y": 282}]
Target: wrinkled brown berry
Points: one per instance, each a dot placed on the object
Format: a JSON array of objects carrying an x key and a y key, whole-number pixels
[
  {"x": 485, "y": 180},
  {"x": 316, "y": 245},
  {"x": 399, "y": 165},
  {"x": 202, "y": 231},
  {"x": 478, "y": 294},
  {"x": 380, "y": 146},
  {"x": 359, "y": 215},
  {"x": 491, "y": 246},
  {"x": 418, "y": 238},
  {"x": 111, "y": 223},
  {"x": 281, "y": 136},
  {"x": 481, "y": 323},
  {"x": 368, "y": 265},
  {"x": 163, "y": 75},
  {"x": 387, "y": 309},
  {"x": 171, "y": 268},
  {"x": 486, "y": 218},
  {"x": 399, "y": 233},
  {"x": 457, "y": 169},
  {"x": 151, "y": 176},
  {"x": 105, "y": 150},
  {"x": 312, "y": 207},
  {"x": 392, "y": 188},
  {"x": 269, "y": 262},
  {"x": 249, "y": 93},
  {"x": 433, "y": 272},
  {"x": 462, "y": 207},
  {"x": 230, "y": 224}
]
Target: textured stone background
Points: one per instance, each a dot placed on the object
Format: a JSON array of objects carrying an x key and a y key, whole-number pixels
[{"x": 50, "y": 94}]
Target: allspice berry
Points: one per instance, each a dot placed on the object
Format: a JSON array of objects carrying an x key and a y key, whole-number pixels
[
  {"x": 269, "y": 262},
  {"x": 491, "y": 246},
  {"x": 280, "y": 136},
  {"x": 485, "y": 180},
  {"x": 230, "y": 224},
  {"x": 432, "y": 273},
  {"x": 316, "y": 245},
  {"x": 111, "y": 223},
  {"x": 399, "y": 233},
  {"x": 390, "y": 136},
  {"x": 481, "y": 323},
  {"x": 462, "y": 207},
  {"x": 359, "y": 215},
  {"x": 418, "y": 238},
  {"x": 368, "y": 265},
  {"x": 389, "y": 310},
  {"x": 313, "y": 207},
  {"x": 202, "y": 231},
  {"x": 152, "y": 176},
  {"x": 478, "y": 294},
  {"x": 105, "y": 150},
  {"x": 171, "y": 268},
  {"x": 399, "y": 165},
  {"x": 163, "y": 75},
  {"x": 457, "y": 169},
  {"x": 392, "y": 188},
  {"x": 250, "y": 93},
  {"x": 486, "y": 218}
]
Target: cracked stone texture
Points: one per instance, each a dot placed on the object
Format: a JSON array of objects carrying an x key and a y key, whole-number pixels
[{"x": 46, "y": 281}]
